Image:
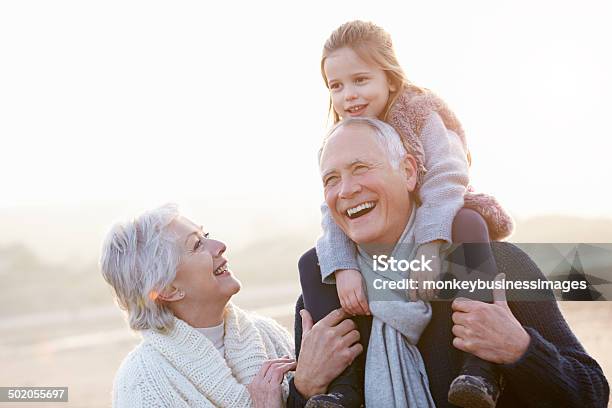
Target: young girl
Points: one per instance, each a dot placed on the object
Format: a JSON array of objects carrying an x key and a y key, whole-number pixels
[{"x": 364, "y": 78}]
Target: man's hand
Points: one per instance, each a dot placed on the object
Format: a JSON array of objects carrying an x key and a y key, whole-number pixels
[
  {"x": 429, "y": 251},
  {"x": 489, "y": 331},
  {"x": 351, "y": 293},
  {"x": 327, "y": 349}
]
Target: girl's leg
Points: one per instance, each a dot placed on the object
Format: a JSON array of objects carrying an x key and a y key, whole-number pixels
[
  {"x": 471, "y": 232},
  {"x": 320, "y": 299},
  {"x": 478, "y": 383}
]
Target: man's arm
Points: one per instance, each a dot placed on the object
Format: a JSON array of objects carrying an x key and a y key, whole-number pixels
[
  {"x": 561, "y": 376},
  {"x": 323, "y": 351},
  {"x": 550, "y": 368},
  {"x": 555, "y": 363}
]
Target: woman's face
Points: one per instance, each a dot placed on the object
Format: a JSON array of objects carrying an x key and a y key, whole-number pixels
[
  {"x": 357, "y": 87},
  {"x": 203, "y": 274}
]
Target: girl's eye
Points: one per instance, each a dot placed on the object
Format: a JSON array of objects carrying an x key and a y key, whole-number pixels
[
  {"x": 360, "y": 80},
  {"x": 334, "y": 86}
]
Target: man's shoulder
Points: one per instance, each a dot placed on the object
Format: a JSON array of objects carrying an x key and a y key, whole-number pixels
[
  {"x": 514, "y": 262},
  {"x": 518, "y": 266}
]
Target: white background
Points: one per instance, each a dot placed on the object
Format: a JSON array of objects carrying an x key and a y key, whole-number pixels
[{"x": 220, "y": 106}]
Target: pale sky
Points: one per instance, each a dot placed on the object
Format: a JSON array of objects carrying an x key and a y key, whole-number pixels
[{"x": 223, "y": 102}]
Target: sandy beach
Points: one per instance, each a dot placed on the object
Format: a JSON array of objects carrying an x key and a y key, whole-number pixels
[{"x": 82, "y": 349}]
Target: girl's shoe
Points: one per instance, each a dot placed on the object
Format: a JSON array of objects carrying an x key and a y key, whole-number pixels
[
  {"x": 478, "y": 385},
  {"x": 340, "y": 396}
]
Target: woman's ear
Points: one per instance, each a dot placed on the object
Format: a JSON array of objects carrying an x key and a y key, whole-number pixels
[
  {"x": 409, "y": 167},
  {"x": 171, "y": 294},
  {"x": 392, "y": 87}
]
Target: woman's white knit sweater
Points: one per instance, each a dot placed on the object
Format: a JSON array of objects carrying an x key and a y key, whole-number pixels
[{"x": 182, "y": 368}]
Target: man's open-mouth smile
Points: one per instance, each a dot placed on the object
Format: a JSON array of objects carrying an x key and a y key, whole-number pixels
[{"x": 360, "y": 210}]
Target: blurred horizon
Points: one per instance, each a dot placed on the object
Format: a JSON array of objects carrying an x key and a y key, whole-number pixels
[
  {"x": 42, "y": 262},
  {"x": 55, "y": 234}
]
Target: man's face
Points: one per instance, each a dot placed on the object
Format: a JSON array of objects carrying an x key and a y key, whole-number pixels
[{"x": 368, "y": 199}]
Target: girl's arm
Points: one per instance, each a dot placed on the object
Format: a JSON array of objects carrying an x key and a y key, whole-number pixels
[
  {"x": 334, "y": 249},
  {"x": 444, "y": 183}
]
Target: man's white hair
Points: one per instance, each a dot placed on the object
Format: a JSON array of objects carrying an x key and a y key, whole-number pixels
[
  {"x": 139, "y": 259},
  {"x": 388, "y": 138}
]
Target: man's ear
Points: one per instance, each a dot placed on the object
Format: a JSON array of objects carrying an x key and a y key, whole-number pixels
[
  {"x": 171, "y": 294},
  {"x": 409, "y": 167}
]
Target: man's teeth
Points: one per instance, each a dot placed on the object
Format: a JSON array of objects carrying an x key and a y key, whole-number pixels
[
  {"x": 351, "y": 211},
  {"x": 220, "y": 270}
]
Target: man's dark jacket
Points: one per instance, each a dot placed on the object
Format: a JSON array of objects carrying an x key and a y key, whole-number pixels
[{"x": 555, "y": 371}]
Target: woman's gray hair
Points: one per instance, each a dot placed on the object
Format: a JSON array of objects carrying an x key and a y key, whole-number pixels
[
  {"x": 386, "y": 135},
  {"x": 139, "y": 259}
]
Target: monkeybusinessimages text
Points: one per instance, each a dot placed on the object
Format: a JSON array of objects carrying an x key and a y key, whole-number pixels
[{"x": 383, "y": 263}]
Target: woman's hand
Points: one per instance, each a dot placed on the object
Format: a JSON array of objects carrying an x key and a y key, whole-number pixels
[
  {"x": 349, "y": 284},
  {"x": 265, "y": 389}
]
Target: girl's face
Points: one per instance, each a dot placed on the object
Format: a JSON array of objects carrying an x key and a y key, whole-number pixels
[{"x": 357, "y": 87}]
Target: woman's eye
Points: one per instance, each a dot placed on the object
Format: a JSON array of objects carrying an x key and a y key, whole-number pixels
[
  {"x": 360, "y": 169},
  {"x": 200, "y": 242}
]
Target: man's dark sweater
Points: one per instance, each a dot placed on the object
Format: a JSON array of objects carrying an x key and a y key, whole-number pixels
[{"x": 555, "y": 371}]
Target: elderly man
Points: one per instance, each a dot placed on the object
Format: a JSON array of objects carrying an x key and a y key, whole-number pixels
[{"x": 542, "y": 362}]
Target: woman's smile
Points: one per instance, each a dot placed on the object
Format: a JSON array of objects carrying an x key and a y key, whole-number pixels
[{"x": 221, "y": 269}]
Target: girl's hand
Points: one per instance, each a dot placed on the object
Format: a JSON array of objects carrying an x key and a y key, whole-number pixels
[
  {"x": 350, "y": 292},
  {"x": 428, "y": 251},
  {"x": 265, "y": 389}
]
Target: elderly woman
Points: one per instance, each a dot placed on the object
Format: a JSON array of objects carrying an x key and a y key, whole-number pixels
[{"x": 198, "y": 349}]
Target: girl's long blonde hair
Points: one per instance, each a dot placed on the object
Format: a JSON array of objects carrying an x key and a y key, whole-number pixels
[{"x": 371, "y": 43}]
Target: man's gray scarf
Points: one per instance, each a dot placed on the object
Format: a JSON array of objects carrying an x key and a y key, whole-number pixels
[{"x": 395, "y": 373}]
